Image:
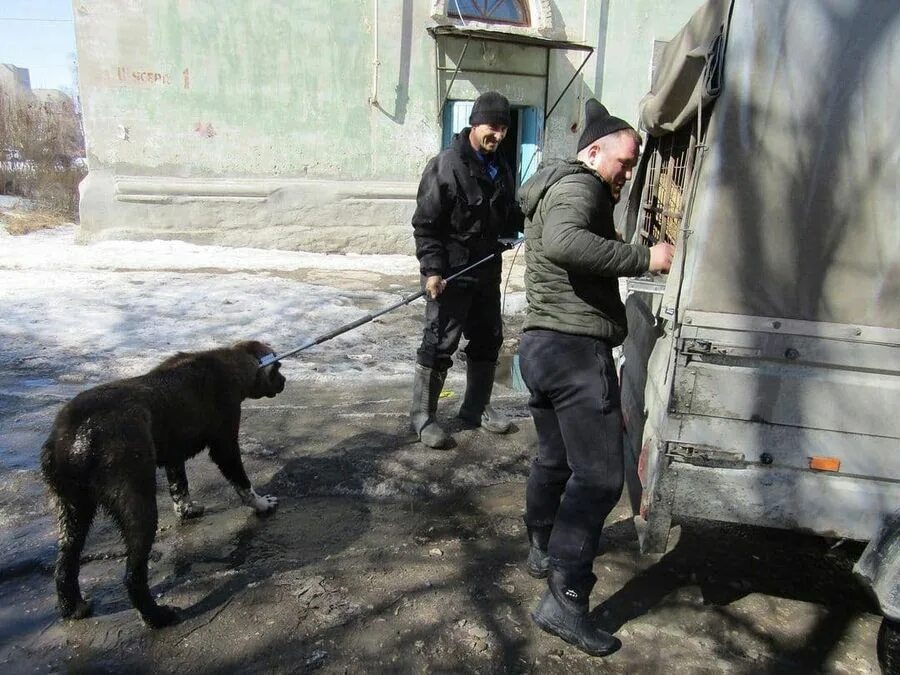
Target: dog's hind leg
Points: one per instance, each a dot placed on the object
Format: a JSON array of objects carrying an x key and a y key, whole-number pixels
[
  {"x": 133, "y": 507},
  {"x": 185, "y": 507},
  {"x": 74, "y": 522}
]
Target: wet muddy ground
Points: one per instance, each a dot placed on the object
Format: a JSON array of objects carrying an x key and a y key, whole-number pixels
[{"x": 384, "y": 556}]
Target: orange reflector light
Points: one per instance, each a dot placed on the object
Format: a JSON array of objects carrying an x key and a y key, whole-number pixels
[{"x": 825, "y": 463}]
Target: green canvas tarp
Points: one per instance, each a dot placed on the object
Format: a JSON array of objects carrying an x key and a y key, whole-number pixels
[{"x": 797, "y": 205}]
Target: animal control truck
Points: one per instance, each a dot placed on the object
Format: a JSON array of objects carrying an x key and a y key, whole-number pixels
[{"x": 761, "y": 376}]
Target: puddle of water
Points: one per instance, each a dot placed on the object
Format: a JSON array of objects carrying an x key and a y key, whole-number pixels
[
  {"x": 27, "y": 407},
  {"x": 36, "y": 383},
  {"x": 21, "y": 448},
  {"x": 39, "y": 388}
]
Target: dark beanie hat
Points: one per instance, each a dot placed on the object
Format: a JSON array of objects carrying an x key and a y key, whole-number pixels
[
  {"x": 490, "y": 108},
  {"x": 598, "y": 123}
]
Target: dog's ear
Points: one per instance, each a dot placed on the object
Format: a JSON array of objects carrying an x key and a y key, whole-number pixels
[{"x": 254, "y": 347}]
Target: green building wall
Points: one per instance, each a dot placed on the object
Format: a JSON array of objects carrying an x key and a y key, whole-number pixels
[{"x": 305, "y": 124}]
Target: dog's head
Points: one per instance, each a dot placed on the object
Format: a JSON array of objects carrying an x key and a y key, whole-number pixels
[{"x": 267, "y": 381}]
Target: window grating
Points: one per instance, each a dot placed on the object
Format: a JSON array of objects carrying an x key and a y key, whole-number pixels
[{"x": 668, "y": 177}]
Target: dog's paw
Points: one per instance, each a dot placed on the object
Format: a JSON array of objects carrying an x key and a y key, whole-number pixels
[
  {"x": 80, "y": 610},
  {"x": 162, "y": 616},
  {"x": 265, "y": 503},
  {"x": 189, "y": 510},
  {"x": 262, "y": 504}
]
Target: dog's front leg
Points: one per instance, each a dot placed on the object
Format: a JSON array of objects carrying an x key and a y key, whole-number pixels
[
  {"x": 260, "y": 503},
  {"x": 227, "y": 456},
  {"x": 185, "y": 508}
]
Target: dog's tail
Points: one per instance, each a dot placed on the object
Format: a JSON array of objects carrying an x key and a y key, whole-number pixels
[
  {"x": 54, "y": 455},
  {"x": 48, "y": 461}
]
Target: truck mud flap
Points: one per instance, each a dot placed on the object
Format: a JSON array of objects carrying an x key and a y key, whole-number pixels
[
  {"x": 878, "y": 568},
  {"x": 653, "y": 532},
  {"x": 643, "y": 335}
]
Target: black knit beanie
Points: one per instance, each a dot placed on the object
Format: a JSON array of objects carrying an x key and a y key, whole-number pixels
[
  {"x": 598, "y": 123},
  {"x": 490, "y": 108}
]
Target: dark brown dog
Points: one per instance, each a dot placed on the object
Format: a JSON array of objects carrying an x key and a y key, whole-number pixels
[{"x": 106, "y": 443}]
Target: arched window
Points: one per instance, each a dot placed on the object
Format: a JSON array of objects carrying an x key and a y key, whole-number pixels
[{"x": 490, "y": 11}]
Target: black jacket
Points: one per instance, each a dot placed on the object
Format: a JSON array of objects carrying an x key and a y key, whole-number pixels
[
  {"x": 572, "y": 256},
  {"x": 460, "y": 211}
]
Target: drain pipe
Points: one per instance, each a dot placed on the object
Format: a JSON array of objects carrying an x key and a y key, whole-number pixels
[{"x": 373, "y": 99}]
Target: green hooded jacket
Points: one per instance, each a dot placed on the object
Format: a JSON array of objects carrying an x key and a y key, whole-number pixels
[{"x": 573, "y": 258}]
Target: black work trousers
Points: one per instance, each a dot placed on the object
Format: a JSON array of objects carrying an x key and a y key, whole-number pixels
[
  {"x": 470, "y": 307},
  {"x": 577, "y": 477}
]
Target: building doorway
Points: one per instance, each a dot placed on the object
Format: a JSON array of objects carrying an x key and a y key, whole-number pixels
[{"x": 520, "y": 148}]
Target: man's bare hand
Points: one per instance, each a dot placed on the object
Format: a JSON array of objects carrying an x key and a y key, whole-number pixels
[
  {"x": 661, "y": 258},
  {"x": 434, "y": 286}
]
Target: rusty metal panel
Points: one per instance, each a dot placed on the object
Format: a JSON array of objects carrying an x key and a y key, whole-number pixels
[
  {"x": 791, "y": 446},
  {"x": 851, "y": 332},
  {"x": 777, "y": 393},
  {"x": 797, "y": 349},
  {"x": 825, "y": 504}
]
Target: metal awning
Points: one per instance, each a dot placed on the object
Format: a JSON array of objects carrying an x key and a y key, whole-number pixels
[{"x": 469, "y": 34}]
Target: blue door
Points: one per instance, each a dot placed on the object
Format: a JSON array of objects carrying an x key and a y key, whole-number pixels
[
  {"x": 529, "y": 143},
  {"x": 456, "y": 118}
]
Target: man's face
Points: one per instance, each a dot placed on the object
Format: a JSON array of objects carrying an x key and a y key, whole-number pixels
[
  {"x": 614, "y": 160},
  {"x": 486, "y": 137}
]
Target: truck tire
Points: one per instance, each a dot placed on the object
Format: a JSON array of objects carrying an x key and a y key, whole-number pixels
[{"x": 889, "y": 647}]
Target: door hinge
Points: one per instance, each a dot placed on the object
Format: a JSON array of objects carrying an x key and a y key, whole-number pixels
[
  {"x": 700, "y": 347},
  {"x": 705, "y": 455}
]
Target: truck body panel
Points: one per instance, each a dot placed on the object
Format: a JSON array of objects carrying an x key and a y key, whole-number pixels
[{"x": 761, "y": 377}]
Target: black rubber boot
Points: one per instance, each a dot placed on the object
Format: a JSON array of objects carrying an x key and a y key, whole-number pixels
[
  {"x": 427, "y": 385},
  {"x": 476, "y": 408},
  {"x": 538, "y": 563},
  {"x": 563, "y": 612}
]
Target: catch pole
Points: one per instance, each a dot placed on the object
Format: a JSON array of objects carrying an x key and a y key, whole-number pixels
[{"x": 269, "y": 359}]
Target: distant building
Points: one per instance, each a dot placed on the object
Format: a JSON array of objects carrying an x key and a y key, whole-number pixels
[
  {"x": 15, "y": 90},
  {"x": 14, "y": 80},
  {"x": 38, "y": 128},
  {"x": 306, "y": 124}
]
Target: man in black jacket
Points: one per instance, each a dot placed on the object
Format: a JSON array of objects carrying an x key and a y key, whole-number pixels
[
  {"x": 573, "y": 260},
  {"x": 465, "y": 203}
]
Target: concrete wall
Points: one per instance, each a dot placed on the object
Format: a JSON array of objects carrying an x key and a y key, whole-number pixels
[
  {"x": 627, "y": 32},
  {"x": 267, "y": 122}
]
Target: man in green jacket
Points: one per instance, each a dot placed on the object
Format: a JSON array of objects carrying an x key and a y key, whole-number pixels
[{"x": 575, "y": 317}]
